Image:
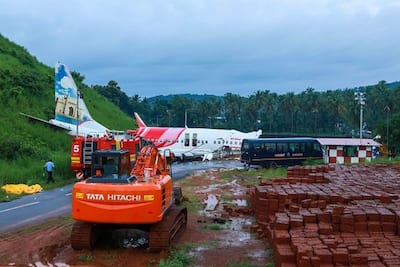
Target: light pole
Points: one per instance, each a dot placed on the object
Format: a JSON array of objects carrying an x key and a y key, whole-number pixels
[
  {"x": 387, "y": 109},
  {"x": 185, "y": 118},
  {"x": 360, "y": 97},
  {"x": 169, "y": 117}
]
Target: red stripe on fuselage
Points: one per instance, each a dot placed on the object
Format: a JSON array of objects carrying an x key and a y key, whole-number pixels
[{"x": 160, "y": 136}]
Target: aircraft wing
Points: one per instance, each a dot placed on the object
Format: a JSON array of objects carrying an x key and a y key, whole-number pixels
[{"x": 60, "y": 127}]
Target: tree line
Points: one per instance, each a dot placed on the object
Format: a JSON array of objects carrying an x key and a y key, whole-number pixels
[{"x": 332, "y": 113}]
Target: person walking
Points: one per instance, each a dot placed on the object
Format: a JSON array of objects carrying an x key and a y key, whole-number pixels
[{"x": 49, "y": 166}]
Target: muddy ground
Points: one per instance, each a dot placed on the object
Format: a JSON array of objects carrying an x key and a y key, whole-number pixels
[{"x": 218, "y": 233}]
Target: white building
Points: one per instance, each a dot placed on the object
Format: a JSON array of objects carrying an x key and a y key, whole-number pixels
[{"x": 347, "y": 150}]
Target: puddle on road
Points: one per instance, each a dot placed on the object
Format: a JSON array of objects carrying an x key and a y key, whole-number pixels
[
  {"x": 240, "y": 202},
  {"x": 45, "y": 257},
  {"x": 211, "y": 202}
]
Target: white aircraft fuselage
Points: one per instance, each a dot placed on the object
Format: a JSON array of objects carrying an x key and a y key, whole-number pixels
[{"x": 193, "y": 142}]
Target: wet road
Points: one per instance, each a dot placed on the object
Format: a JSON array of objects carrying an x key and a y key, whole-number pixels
[{"x": 39, "y": 207}]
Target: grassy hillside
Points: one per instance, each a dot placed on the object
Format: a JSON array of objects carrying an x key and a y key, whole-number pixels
[{"x": 26, "y": 85}]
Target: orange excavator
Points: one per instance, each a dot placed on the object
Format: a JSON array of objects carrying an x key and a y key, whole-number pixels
[{"x": 118, "y": 195}]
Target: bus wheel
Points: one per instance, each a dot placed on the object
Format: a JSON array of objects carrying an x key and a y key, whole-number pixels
[{"x": 273, "y": 165}]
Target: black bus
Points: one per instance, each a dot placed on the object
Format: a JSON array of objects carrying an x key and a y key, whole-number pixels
[{"x": 269, "y": 152}]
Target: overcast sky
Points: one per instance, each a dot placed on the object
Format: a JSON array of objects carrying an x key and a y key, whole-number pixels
[{"x": 215, "y": 47}]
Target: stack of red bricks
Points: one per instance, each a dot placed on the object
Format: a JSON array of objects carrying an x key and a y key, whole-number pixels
[{"x": 331, "y": 215}]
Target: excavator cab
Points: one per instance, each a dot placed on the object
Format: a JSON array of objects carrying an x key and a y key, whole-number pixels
[{"x": 110, "y": 166}]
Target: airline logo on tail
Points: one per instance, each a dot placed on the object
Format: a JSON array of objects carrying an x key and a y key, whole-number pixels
[
  {"x": 68, "y": 109},
  {"x": 71, "y": 113}
]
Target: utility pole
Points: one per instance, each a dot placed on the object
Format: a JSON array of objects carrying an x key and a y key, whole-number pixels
[{"x": 387, "y": 109}]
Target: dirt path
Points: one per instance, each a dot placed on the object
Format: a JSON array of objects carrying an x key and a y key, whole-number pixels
[{"x": 217, "y": 235}]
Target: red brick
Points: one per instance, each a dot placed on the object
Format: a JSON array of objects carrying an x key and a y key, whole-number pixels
[
  {"x": 325, "y": 255},
  {"x": 322, "y": 204},
  {"x": 304, "y": 262},
  {"x": 336, "y": 218},
  {"x": 376, "y": 264},
  {"x": 347, "y": 228},
  {"x": 324, "y": 217},
  {"x": 372, "y": 214},
  {"x": 389, "y": 227},
  {"x": 325, "y": 228},
  {"x": 360, "y": 226},
  {"x": 374, "y": 227},
  {"x": 338, "y": 210},
  {"x": 386, "y": 215},
  {"x": 293, "y": 208},
  {"x": 359, "y": 259},
  {"x": 315, "y": 261},
  {"x": 347, "y": 219},
  {"x": 340, "y": 256},
  {"x": 359, "y": 216},
  {"x": 285, "y": 254},
  {"x": 353, "y": 249},
  {"x": 303, "y": 250},
  {"x": 306, "y": 203},
  {"x": 281, "y": 237}
]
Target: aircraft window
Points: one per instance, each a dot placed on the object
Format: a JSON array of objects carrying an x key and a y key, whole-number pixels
[
  {"x": 219, "y": 142},
  {"x": 215, "y": 142},
  {"x": 206, "y": 141}
]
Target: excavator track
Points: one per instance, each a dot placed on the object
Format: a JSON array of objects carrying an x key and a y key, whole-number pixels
[
  {"x": 163, "y": 233},
  {"x": 83, "y": 235}
]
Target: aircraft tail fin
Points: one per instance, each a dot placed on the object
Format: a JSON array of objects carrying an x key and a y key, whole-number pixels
[
  {"x": 70, "y": 107},
  {"x": 139, "y": 121}
]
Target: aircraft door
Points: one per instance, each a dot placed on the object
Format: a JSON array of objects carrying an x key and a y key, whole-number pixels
[
  {"x": 187, "y": 140},
  {"x": 194, "y": 139}
]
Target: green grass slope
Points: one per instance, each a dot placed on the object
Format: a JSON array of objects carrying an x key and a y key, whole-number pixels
[{"x": 26, "y": 85}]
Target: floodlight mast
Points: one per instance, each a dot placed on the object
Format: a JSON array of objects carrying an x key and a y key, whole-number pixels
[{"x": 360, "y": 98}]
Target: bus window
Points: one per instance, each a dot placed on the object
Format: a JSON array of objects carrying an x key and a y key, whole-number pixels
[
  {"x": 302, "y": 147},
  {"x": 257, "y": 148},
  {"x": 270, "y": 148},
  {"x": 245, "y": 146},
  {"x": 316, "y": 147},
  {"x": 282, "y": 147},
  {"x": 294, "y": 147}
]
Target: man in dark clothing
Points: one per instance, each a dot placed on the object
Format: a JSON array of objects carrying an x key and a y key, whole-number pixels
[{"x": 49, "y": 166}]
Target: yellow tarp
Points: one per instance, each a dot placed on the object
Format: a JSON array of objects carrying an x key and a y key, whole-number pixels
[{"x": 22, "y": 188}]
